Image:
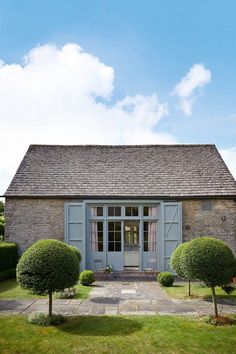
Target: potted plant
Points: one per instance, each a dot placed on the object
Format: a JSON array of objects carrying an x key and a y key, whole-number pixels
[{"x": 109, "y": 270}]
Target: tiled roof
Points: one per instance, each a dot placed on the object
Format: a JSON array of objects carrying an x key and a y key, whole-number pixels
[{"x": 122, "y": 171}]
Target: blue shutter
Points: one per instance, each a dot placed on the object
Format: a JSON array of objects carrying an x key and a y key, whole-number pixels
[
  {"x": 172, "y": 230},
  {"x": 75, "y": 228}
]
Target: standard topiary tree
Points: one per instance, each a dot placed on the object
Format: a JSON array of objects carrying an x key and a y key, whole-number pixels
[
  {"x": 77, "y": 253},
  {"x": 209, "y": 260},
  {"x": 175, "y": 262},
  {"x": 48, "y": 266}
]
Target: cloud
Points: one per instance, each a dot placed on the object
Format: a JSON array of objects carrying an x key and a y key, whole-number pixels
[
  {"x": 229, "y": 156},
  {"x": 196, "y": 78},
  {"x": 63, "y": 96}
]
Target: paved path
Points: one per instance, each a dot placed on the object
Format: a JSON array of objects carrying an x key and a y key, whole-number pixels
[{"x": 124, "y": 298}]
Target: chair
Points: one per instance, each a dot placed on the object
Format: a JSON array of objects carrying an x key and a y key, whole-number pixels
[
  {"x": 151, "y": 270},
  {"x": 98, "y": 266}
]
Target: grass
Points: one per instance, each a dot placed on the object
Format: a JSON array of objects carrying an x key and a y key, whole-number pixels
[
  {"x": 116, "y": 334},
  {"x": 180, "y": 291},
  {"x": 9, "y": 289}
]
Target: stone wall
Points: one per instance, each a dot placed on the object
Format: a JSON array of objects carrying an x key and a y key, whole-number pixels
[
  {"x": 220, "y": 222},
  {"x": 29, "y": 220}
]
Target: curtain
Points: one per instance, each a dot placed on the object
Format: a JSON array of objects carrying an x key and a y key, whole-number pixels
[
  {"x": 94, "y": 231},
  {"x": 152, "y": 227}
]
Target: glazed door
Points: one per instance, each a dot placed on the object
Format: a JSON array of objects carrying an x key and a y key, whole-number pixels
[{"x": 131, "y": 244}]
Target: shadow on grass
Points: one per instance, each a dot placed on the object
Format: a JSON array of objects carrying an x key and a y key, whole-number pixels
[{"x": 100, "y": 326}]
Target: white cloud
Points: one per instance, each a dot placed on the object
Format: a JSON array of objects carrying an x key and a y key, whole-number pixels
[
  {"x": 229, "y": 156},
  {"x": 197, "y": 77},
  {"x": 61, "y": 96}
]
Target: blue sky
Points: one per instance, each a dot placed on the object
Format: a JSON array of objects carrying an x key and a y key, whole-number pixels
[{"x": 150, "y": 45}]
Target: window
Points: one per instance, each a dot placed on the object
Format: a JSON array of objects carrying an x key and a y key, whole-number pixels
[
  {"x": 96, "y": 211},
  {"x": 149, "y": 236},
  {"x": 114, "y": 236},
  {"x": 96, "y": 236},
  {"x": 131, "y": 211},
  {"x": 206, "y": 205},
  {"x": 150, "y": 211},
  {"x": 114, "y": 211}
]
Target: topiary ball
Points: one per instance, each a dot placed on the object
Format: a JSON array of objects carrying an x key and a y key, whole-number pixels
[
  {"x": 175, "y": 260},
  {"x": 48, "y": 266},
  {"x": 77, "y": 252},
  {"x": 209, "y": 260},
  {"x": 166, "y": 279},
  {"x": 87, "y": 277}
]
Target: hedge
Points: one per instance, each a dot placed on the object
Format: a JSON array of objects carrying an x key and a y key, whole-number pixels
[
  {"x": 8, "y": 255},
  {"x": 8, "y": 274}
]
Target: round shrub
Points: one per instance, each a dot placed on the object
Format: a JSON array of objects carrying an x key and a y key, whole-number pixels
[
  {"x": 166, "y": 279},
  {"x": 48, "y": 266},
  {"x": 175, "y": 260},
  {"x": 87, "y": 277},
  {"x": 77, "y": 253},
  {"x": 42, "y": 319},
  {"x": 209, "y": 260}
]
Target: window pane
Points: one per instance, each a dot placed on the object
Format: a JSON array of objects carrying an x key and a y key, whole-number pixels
[
  {"x": 100, "y": 226},
  {"x": 99, "y": 211},
  {"x": 128, "y": 211},
  {"x": 96, "y": 236},
  {"x": 111, "y": 246},
  {"x": 118, "y": 246},
  {"x": 150, "y": 211},
  {"x": 135, "y": 211},
  {"x": 111, "y": 226},
  {"x": 111, "y": 236},
  {"x": 118, "y": 236},
  {"x": 145, "y": 211},
  {"x": 100, "y": 246},
  {"x": 117, "y": 211},
  {"x": 118, "y": 226},
  {"x": 110, "y": 211},
  {"x": 149, "y": 236}
]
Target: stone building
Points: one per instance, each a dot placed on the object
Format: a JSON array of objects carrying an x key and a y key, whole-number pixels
[{"x": 121, "y": 205}]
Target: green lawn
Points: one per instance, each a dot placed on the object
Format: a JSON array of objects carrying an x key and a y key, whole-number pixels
[
  {"x": 9, "y": 289},
  {"x": 116, "y": 334},
  {"x": 180, "y": 291}
]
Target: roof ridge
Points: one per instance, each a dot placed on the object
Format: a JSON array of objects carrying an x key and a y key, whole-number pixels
[{"x": 120, "y": 145}]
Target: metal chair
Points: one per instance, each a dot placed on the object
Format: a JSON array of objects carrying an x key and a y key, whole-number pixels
[
  {"x": 98, "y": 265},
  {"x": 150, "y": 271}
]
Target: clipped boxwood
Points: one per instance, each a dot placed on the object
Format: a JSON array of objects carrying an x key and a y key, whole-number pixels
[
  {"x": 87, "y": 277},
  {"x": 48, "y": 266},
  {"x": 209, "y": 260},
  {"x": 175, "y": 260},
  {"x": 166, "y": 279},
  {"x": 8, "y": 255},
  {"x": 77, "y": 252}
]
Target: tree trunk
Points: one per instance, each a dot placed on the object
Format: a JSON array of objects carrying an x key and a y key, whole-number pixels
[
  {"x": 189, "y": 287},
  {"x": 50, "y": 305},
  {"x": 214, "y": 300}
]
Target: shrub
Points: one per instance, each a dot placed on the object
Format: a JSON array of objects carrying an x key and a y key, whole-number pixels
[
  {"x": 175, "y": 262},
  {"x": 68, "y": 293},
  {"x": 166, "y": 279},
  {"x": 87, "y": 277},
  {"x": 8, "y": 255},
  {"x": 42, "y": 319},
  {"x": 8, "y": 274},
  {"x": 228, "y": 289},
  {"x": 77, "y": 252},
  {"x": 209, "y": 260},
  {"x": 220, "y": 321},
  {"x": 48, "y": 266}
]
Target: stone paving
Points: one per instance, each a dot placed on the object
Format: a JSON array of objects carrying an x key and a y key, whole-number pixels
[{"x": 123, "y": 298}]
